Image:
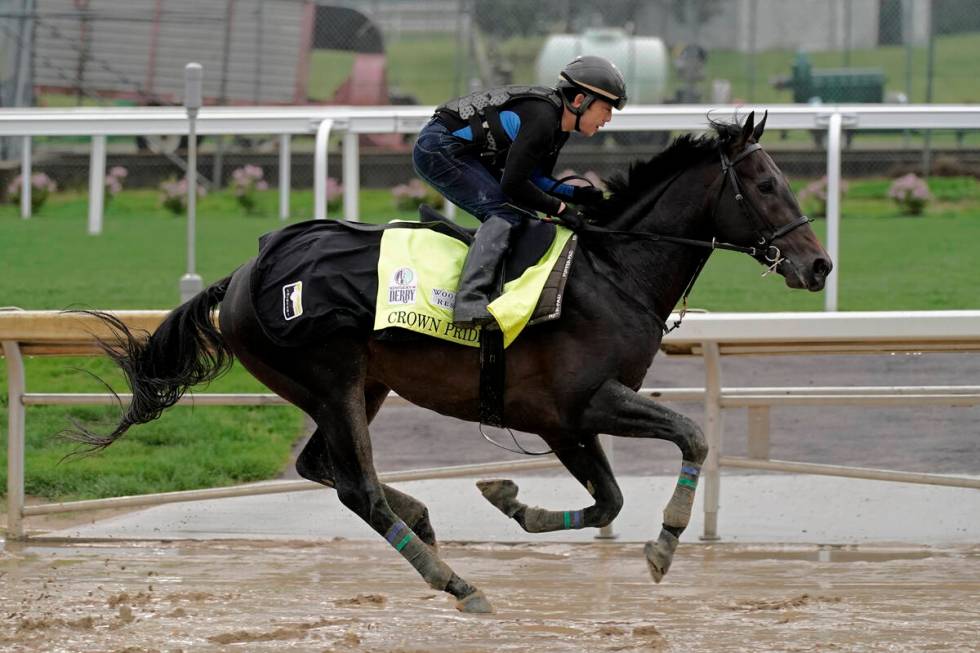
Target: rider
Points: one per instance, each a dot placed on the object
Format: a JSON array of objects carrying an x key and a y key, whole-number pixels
[{"x": 491, "y": 148}]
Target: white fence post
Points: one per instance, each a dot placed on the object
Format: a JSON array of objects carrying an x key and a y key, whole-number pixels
[
  {"x": 833, "y": 209},
  {"x": 25, "y": 177},
  {"x": 96, "y": 185},
  {"x": 320, "y": 169},
  {"x": 712, "y": 430},
  {"x": 15, "y": 440},
  {"x": 285, "y": 175},
  {"x": 352, "y": 175}
]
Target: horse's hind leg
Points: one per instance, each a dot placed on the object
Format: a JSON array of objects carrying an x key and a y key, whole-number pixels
[
  {"x": 313, "y": 463},
  {"x": 335, "y": 375},
  {"x": 588, "y": 464},
  {"x": 328, "y": 382}
]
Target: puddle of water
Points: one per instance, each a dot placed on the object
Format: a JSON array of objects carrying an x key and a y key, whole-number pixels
[
  {"x": 833, "y": 554},
  {"x": 341, "y": 596}
]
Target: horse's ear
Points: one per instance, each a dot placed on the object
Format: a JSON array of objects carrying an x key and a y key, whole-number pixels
[
  {"x": 757, "y": 132},
  {"x": 747, "y": 128}
]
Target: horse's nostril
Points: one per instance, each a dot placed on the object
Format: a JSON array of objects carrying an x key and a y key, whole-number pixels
[{"x": 822, "y": 267}]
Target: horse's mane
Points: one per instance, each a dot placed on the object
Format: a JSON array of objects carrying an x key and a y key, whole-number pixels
[
  {"x": 628, "y": 189},
  {"x": 616, "y": 257}
]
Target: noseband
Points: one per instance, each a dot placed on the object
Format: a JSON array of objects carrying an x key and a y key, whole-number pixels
[{"x": 766, "y": 231}]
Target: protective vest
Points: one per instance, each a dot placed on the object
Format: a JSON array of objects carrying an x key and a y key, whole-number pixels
[{"x": 482, "y": 111}]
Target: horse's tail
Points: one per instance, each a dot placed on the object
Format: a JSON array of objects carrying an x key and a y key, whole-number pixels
[{"x": 184, "y": 351}]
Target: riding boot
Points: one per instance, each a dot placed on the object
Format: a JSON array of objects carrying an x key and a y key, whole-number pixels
[{"x": 482, "y": 273}]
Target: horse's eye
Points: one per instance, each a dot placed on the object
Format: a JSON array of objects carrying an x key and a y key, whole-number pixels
[{"x": 767, "y": 186}]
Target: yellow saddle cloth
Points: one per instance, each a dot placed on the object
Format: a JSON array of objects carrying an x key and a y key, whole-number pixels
[{"x": 418, "y": 272}]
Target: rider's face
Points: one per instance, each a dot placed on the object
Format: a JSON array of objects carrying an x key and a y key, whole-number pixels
[{"x": 597, "y": 115}]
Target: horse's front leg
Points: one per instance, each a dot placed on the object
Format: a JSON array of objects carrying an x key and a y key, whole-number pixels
[
  {"x": 588, "y": 464},
  {"x": 617, "y": 410}
]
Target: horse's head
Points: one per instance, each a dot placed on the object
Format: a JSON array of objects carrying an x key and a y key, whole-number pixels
[{"x": 754, "y": 206}]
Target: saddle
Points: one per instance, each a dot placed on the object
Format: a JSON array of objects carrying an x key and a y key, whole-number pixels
[
  {"x": 531, "y": 240},
  {"x": 312, "y": 278},
  {"x": 418, "y": 273}
]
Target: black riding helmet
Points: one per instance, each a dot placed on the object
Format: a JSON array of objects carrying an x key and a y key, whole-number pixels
[{"x": 594, "y": 77}]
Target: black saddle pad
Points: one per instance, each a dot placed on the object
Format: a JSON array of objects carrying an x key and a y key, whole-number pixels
[{"x": 314, "y": 277}]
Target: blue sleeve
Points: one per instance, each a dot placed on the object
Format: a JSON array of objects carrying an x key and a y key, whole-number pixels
[
  {"x": 551, "y": 185},
  {"x": 511, "y": 122}
]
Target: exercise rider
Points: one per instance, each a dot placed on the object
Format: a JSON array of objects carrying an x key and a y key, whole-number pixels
[{"x": 490, "y": 149}]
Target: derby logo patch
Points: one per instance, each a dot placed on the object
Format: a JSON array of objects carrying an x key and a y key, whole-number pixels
[{"x": 404, "y": 284}]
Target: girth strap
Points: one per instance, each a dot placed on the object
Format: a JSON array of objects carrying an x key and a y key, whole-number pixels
[{"x": 492, "y": 377}]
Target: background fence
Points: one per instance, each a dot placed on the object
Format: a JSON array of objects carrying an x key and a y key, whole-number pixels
[{"x": 376, "y": 52}]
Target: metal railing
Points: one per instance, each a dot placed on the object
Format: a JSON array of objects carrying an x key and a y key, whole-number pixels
[
  {"x": 711, "y": 336},
  {"x": 352, "y": 121}
]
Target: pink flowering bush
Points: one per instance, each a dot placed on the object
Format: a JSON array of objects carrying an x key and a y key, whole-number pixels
[
  {"x": 173, "y": 195},
  {"x": 114, "y": 181},
  {"x": 408, "y": 197},
  {"x": 813, "y": 197},
  {"x": 911, "y": 193},
  {"x": 41, "y": 186},
  {"x": 245, "y": 182},
  {"x": 335, "y": 194}
]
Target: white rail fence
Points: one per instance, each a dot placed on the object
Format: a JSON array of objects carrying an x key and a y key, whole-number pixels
[
  {"x": 352, "y": 121},
  {"x": 711, "y": 336}
]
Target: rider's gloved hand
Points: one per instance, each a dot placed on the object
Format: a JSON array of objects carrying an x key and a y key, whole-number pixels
[
  {"x": 587, "y": 195},
  {"x": 571, "y": 218}
]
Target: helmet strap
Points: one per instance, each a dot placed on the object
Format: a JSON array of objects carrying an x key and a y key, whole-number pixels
[{"x": 582, "y": 109}]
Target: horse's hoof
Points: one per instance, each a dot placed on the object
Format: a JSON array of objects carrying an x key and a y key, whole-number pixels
[
  {"x": 502, "y": 493},
  {"x": 659, "y": 555},
  {"x": 475, "y": 603}
]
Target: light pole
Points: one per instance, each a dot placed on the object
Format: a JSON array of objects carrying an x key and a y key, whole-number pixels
[{"x": 190, "y": 283}]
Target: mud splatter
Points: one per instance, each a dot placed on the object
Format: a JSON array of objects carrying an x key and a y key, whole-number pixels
[
  {"x": 375, "y": 600},
  {"x": 755, "y": 605},
  {"x": 294, "y": 631},
  {"x": 269, "y": 596}
]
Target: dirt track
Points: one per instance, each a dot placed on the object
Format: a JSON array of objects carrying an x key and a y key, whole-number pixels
[{"x": 352, "y": 596}]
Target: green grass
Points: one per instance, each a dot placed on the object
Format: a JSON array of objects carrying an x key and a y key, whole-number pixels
[
  {"x": 888, "y": 262},
  {"x": 954, "y": 80},
  {"x": 425, "y": 65}
]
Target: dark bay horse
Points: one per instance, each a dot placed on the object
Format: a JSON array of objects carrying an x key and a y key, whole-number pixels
[{"x": 566, "y": 381}]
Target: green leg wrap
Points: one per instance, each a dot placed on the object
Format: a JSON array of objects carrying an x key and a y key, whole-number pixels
[
  {"x": 435, "y": 572},
  {"x": 677, "y": 514},
  {"x": 503, "y": 494},
  {"x": 539, "y": 520}
]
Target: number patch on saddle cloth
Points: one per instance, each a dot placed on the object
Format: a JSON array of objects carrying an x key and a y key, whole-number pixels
[{"x": 292, "y": 300}]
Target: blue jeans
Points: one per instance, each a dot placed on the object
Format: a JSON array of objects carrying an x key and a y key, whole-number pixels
[{"x": 459, "y": 176}]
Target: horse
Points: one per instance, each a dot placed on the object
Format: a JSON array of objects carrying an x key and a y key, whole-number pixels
[{"x": 566, "y": 381}]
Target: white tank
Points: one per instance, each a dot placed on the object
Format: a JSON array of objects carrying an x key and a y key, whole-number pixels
[{"x": 643, "y": 60}]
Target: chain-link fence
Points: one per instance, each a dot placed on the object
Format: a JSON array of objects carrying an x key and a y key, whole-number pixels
[{"x": 377, "y": 52}]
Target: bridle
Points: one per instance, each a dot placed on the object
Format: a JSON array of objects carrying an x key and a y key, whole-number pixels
[{"x": 767, "y": 233}]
